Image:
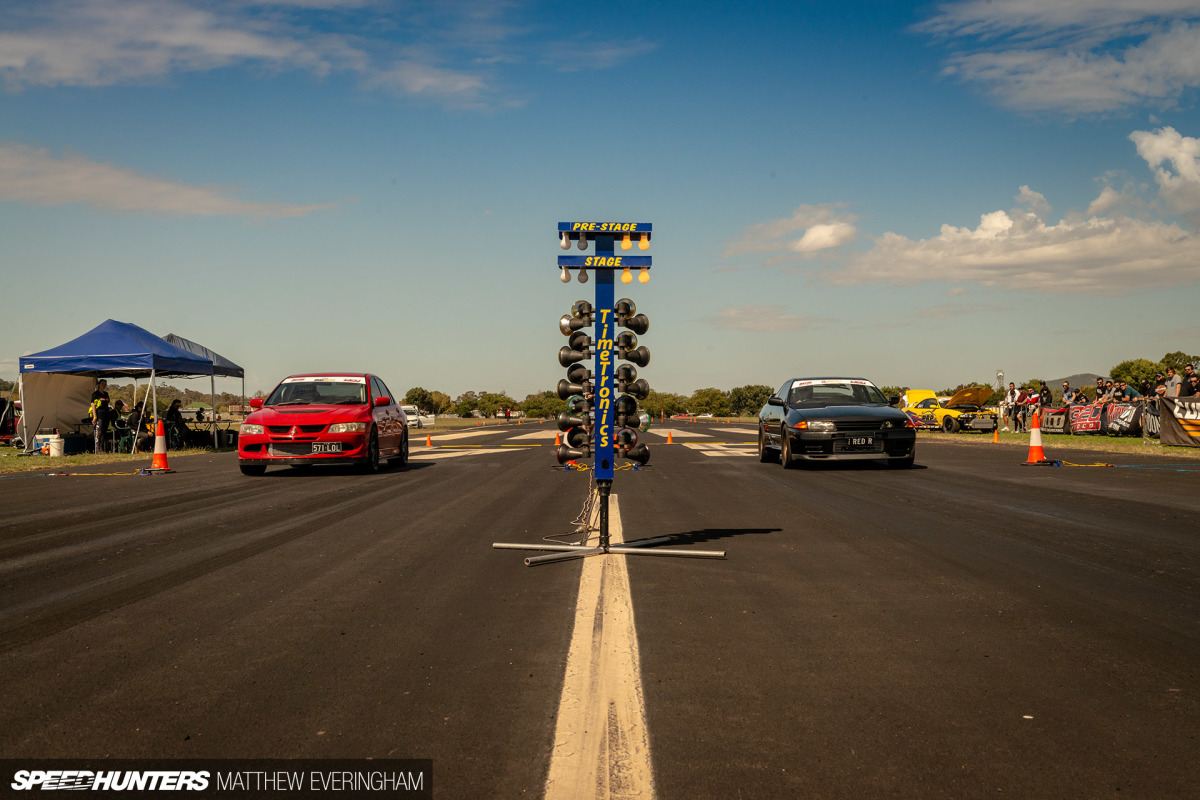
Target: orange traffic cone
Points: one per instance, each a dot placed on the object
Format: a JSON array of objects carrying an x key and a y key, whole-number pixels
[
  {"x": 995, "y": 435},
  {"x": 159, "y": 464},
  {"x": 557, "y": 439},
  {"x": 1037, "y": 457},
  {"x": 428, "y": 440},
  {"x": 670, "y": 439}
]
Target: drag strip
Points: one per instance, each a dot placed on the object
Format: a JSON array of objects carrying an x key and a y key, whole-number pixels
[{"x": 967, "y": 628}]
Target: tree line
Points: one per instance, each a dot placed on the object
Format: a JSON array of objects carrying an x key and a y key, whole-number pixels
[{"x": 740, "y": 401}]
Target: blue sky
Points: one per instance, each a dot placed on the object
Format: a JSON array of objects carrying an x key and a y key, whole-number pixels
[{"x": 919, "y": 193}]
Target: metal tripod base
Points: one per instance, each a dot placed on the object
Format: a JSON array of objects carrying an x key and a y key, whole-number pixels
[{"x": 642, "y": 547}]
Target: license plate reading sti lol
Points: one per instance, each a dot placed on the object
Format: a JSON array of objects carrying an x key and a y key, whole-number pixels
[
  {"x": 327, "y": 447},
  {"x": 860, "y": 442}
]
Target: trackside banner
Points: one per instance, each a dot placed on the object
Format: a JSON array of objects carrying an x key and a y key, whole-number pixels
[
  {"x": 232, "y": 778},
  {"x": 1123, "y": 419},
  {"x": 1150, "y": 425},
  {"x": 1056, "y": 420},
  {"x": 1087, "y": 419},
  {"x": 1179, "y": 421}
]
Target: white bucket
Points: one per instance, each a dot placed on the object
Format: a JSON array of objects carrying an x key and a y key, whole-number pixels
[{"x": 56, "y": 446}]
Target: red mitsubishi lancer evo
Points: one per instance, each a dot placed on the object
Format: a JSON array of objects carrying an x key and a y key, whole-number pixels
[{"x": 324, "y": 418}]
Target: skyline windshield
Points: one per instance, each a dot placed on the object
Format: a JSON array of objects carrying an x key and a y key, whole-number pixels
[
  {"x": 831, "y": 393},
  {"x": 304, "y": 393}
]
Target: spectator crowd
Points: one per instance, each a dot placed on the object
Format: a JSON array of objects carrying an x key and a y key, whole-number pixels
[{"x": 1019, "y": 403}]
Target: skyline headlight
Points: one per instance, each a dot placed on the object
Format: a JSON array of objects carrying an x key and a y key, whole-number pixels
[
  {"x": 348, "y": 427},
  {"x": 822, "y": 426},
  {"x": 250, "y": 429}
]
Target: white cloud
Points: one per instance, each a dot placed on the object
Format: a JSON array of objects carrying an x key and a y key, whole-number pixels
[
  {"x": 424, "y": 79},
  {"x": 1020, "y": 251},
  {"x": 992, "y": 19},
  {"x": 34, "y": 176},
  {"x": 445, "y": 50},
  {"x": 1079, "y": 57},
  {"x": 822, "y": 227},
  {"x": 825, "y": 236},
  {"x": 1107, "y": 201},
  {"x": 1115, "y": 247},
  {"x": 1035, "y": 201},
  {"x": 1175, "y": 160},
  {"x": 581, "y": 55},
  {"x": 759, "y": 319},
  {"x": 106, "y": 42}
]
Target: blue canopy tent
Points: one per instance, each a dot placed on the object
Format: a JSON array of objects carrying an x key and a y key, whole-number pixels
[
  {"x": 221, "y": 366},
  {"x": 56, "y": 384}
]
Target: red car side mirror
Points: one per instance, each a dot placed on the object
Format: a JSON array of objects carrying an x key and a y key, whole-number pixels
[
  {"x": 383, "y": 401},
  {"x": 256, "y": 403}
]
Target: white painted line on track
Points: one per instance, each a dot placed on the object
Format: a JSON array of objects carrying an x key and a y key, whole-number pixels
[
  {"x": 679, "y": 433},
  {"x": 433, "y": 453},
  {"x": 449, "y": 437},
  {"x": 546, "y": 433},
  {"x": 721, "y": 448},
  {"x": 743, "y": 431},
  {"x": 601, "y": 740}
]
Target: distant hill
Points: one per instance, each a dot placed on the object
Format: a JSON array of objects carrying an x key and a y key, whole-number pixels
[{"x": 1080, "y": 379}]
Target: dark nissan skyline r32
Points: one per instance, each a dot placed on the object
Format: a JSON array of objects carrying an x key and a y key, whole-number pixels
[{"x": 834, "y": 419}]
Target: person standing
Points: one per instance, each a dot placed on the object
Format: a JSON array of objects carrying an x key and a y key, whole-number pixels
[
  {"x": 1173, "y": 382},
  {"x": 1020, "y": 424},
  {"x": 1189, "y": 372},
  {"x": 100, "y": 414},
  {"x": 1010, "y": 406}
]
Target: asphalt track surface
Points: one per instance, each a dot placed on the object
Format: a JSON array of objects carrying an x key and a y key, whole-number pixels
[{"x": 968, "y": 628}]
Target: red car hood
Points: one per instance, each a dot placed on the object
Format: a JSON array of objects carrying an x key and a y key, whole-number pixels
[{"x": 307, "y": 415}]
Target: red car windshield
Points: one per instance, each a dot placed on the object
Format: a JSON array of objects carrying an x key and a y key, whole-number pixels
[{"x": 316, "y": 392}]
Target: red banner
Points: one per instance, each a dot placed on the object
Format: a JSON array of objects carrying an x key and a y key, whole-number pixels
[{"x": 1087, "y": 419}]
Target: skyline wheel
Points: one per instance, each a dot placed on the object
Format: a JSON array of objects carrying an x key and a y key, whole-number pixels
[
  {"x": 765, "y": 454},
  {"x": 785, "y": 450}
]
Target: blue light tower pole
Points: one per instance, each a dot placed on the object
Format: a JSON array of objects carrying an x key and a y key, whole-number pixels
[{"x": 605, "y": 351}]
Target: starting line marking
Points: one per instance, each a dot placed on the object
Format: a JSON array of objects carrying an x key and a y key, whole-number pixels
[
  {"x": 429, "y": 454},
  {"x": 678, "y": 433},
  {"x": 547, "y": 433},
  {"x": 721, "y": 448},
  {"x": 601, "y": 740}
]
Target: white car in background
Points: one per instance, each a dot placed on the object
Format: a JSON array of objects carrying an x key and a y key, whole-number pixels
[{"x": 413, "y": 415}]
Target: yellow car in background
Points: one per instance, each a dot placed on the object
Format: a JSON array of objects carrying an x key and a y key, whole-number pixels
[{"x": 963, "y": 411}]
